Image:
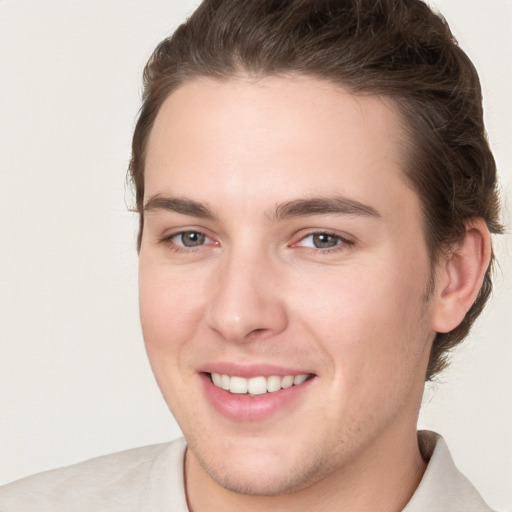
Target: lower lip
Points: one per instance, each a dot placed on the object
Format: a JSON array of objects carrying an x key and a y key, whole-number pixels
[{"x": 250, "y": 408}]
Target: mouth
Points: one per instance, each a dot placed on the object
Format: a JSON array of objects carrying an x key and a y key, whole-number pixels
[
  {"x": 255, "y": 393},
  {"x": 254, "y": 386}
]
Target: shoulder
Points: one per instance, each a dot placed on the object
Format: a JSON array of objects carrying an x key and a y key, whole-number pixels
[{"x": 116, "y": 482}]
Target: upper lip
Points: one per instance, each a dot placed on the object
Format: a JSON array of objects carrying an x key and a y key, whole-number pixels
[{"x": 251, "y": 370}]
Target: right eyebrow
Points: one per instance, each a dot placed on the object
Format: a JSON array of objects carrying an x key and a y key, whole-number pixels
[{"x": 178, "y": 205}]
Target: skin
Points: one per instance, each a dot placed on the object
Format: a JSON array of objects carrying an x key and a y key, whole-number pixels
[{"x": 257, "y": 290}]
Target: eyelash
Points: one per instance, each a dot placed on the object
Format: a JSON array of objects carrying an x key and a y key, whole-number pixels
[{"x": 342, "y": 243}]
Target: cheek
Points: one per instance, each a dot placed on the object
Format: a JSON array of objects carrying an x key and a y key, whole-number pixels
[
  {"x": 370, "y": 319},
  {"x": 169, "y": 316},
  {"x": 169, "y": 310},
  {"x": 374, "y": 335}
]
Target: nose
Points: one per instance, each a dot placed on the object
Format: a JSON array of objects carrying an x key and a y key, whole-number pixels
[{"x": 247, "y": 301}]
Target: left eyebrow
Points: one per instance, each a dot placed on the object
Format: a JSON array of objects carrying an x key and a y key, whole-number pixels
[{"x": 322, "y": 206}]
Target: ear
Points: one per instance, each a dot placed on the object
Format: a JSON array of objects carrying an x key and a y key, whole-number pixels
[{"x": 459, "y": 276}]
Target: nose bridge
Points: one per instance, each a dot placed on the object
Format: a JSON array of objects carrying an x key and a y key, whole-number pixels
[{"x": 247, "y": 302}]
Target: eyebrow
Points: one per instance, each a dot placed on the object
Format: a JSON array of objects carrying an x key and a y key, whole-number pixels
[
  {"x": 288, "y": 209},
  {"x": 179, "y": 205},
  {"x": 323, "y": 206}
]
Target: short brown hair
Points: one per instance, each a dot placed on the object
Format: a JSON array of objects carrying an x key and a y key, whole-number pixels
[{"x": 396, "y": 48}]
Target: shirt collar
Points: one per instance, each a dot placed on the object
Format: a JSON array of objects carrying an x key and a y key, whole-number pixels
[{"x": 443, "y": 487}]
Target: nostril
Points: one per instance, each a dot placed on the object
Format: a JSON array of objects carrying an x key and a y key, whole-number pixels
[{"x": 257, "y": 334}]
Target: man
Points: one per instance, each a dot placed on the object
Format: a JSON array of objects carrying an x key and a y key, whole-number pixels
[{"x": 316, "y": 196}]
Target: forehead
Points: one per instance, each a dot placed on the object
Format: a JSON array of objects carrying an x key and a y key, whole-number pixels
[{"x": 257, "y": 139}]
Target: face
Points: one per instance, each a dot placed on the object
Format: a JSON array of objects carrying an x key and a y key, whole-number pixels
[{"x": 283, "y": 277}]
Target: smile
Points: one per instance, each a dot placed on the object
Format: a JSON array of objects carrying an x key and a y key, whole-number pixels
[{"x": 256, "y": 385}]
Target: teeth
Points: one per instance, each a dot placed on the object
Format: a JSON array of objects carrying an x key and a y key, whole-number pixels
[
  {"x": 287, "y": 382},
  {"x": 224, "y": 382},
  {"x": 273, "y": 384},
  {"x": 299, "y": 379},
  {"x": 238, "y": 385},
  {"x": 217, "y": 379},
  {"x": 256, "y": 385}
]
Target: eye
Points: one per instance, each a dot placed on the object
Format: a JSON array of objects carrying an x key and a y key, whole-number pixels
[
  {"x": 189, "y": 239},
  {"x": 322, "y": 240}
]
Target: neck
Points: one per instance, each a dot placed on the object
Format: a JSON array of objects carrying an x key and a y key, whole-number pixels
[{"x": 382, "y": 479}]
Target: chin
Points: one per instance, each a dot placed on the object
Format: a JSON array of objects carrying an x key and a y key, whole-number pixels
[
  {"x": 256, "y": 473},
  {"x": 267, "y": 482}
]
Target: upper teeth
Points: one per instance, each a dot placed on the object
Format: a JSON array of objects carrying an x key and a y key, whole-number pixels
[{"x": 256, "y": 385}]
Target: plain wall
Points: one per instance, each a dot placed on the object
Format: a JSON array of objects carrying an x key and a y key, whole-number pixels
[{"x": 74, "y": 380}]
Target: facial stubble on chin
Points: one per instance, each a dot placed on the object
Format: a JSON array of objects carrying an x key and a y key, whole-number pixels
[{"x": 310, "y": 472}]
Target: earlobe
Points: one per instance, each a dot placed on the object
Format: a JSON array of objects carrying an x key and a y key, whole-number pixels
[{"x": 460, "y": 275}]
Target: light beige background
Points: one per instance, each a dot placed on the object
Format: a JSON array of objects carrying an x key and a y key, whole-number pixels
[{"x": 74, "y": 381}]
